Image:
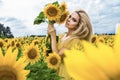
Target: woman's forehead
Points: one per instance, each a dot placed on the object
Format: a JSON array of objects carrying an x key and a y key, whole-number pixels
[{"x": 75, "y": 15}]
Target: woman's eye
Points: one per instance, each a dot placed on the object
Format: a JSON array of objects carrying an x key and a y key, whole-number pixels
[
  {"x": 74, "y": 20},
  {"x": 69, "y": 16}
]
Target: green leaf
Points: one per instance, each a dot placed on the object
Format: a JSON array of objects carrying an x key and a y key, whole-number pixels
[
  {"x": 56, "y": 3},
  {"x": 41, "y": 15},
  {"x": 40, "y": 18},
  {"x": 38, "y": 21}
]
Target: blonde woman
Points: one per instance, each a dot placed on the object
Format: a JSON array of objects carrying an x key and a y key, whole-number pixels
[{"x": 79, "y": 28}]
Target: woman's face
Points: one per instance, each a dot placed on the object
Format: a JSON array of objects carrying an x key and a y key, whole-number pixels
[{"x": 72, "y": 21}]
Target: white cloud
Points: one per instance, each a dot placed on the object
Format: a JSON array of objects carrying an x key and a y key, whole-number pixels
[{"x": 104, "y": 15}]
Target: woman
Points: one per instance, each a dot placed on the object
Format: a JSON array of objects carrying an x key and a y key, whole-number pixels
[{"x": 79, "y": 28}]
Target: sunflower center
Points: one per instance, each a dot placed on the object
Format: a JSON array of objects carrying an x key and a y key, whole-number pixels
[
  {"x": 93, "y": 39},
  {"x": 101, "y": 40},
  {"x": 32, "y": 54},
  {"x": 63, "y": 17},
  {"x": 1, "y": 44},
  {"x": 36, "y": 42},
  {"x": 12, "y": 43},
  {"x": 6, "y": 40},
  {"x": 17, "y": 45},
  {"x": 7, "y": 75},
  {"x": 52, "y": 11},
  {"x": 116, "y": 77},
  {"x": 8, "y": 46},
  {"x": 53, "y": 61}
]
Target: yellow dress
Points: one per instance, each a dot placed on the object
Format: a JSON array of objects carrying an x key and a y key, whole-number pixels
[{"x": 62, "y": 71}]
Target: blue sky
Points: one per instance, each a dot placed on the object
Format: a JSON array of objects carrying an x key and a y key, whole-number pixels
[{"x": 20, "y": 14}]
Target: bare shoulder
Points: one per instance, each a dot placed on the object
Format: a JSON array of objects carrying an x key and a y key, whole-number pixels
[
  {"x": 61, "y": 35},
  {"x": 76, "y": 40}
]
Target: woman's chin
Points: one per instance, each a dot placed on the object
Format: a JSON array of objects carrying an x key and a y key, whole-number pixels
[{"x": 66, "y": 25}]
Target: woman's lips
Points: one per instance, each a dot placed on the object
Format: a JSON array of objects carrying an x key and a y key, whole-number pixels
[{"x": 67, "y": 22}]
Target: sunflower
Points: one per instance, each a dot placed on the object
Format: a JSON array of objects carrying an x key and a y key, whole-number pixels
[
  {"x": 10, "y": 69},
  {"x": 94, "y": 38},
  {"x": 94, "y": 64},
  {"x": 16, "y": 39},
  {"x": 12, "y": 43},
  {"x": 63, "y": 17},
  {"x": 35, "y": 41},
  {"x": 6, "y": 40},
  {"x": 18, "y": 45},
  {"x": 52, "y": 12},
  {"x": 63, "y": 6},
  {"x": 45, "y": 51},
  {"x": 101, "y": 39},
  {"x": 53, "y": 60},
  {"x": 32, "y": 53},
  {"x": 6, "y": 45},
  {"x": 1, "y": 43},
  {"x": 27, "y": 41},
  {"x": 109, "y": 41}
]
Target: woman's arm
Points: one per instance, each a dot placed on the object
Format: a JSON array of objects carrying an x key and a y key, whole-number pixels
[{"x": 52, "y": 32}]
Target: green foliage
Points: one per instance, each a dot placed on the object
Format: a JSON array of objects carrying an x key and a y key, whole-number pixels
[
  {"x": 3, "y": 51},
  {"x": 48, "y": 42},
  {"x": 56, "y": 3},
  {"x": 40, "y": 71},
  {"x": 2, "y": 36},
  {"x": 19, "y": 54},
  {"x": 40, "y": 18}
]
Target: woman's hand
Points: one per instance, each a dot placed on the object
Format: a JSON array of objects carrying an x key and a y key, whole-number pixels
[
  {"x": 61, "y": 52},
  {"x": 51, "y": 30}
]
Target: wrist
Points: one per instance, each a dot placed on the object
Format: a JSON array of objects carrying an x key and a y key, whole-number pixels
[
  {"x": 52, "y": 30},
  {"x": 53, "y": 35}
]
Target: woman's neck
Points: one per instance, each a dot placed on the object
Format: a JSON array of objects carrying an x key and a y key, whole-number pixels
[{"x": 69, "y": 32}]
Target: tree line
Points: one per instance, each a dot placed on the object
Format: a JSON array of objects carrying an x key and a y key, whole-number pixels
[{"x": 5, "y": 32}]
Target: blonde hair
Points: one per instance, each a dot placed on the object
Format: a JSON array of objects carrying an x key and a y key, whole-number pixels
[{"x": 84, "y": 30}]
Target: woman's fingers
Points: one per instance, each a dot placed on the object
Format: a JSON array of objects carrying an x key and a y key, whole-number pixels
[{"x": 51, "y": 28}]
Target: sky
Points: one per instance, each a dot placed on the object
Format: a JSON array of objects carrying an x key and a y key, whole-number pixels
[{"x": 19, "y": 15}]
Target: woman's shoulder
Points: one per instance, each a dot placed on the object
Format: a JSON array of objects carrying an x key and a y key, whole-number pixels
[
  {"x": 73, "y": 43},
  {"x": 61, "y": 35},
  {"x": 76, "y": 40}
]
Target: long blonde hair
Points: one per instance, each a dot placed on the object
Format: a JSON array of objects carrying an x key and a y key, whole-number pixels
[{"x": 84, "y": 30}]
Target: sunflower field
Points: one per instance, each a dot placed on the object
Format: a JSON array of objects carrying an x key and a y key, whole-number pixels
[
  {"x": 26, "y": 58},
  {"x": 31, "y": 58}
]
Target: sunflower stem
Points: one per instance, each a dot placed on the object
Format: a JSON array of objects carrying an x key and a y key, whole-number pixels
[{"x": 51, "y": 22}]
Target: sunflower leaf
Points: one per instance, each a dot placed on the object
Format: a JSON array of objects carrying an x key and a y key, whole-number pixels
[
  {"x": 56, "y": 3},
  {"x": 41, "y": 15},
  {"x": 40, "y": 18},
  {"x": 38, "y": 21}
]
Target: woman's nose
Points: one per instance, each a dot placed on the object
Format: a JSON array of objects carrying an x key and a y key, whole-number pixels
[{"x": 68, "y": 20}]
